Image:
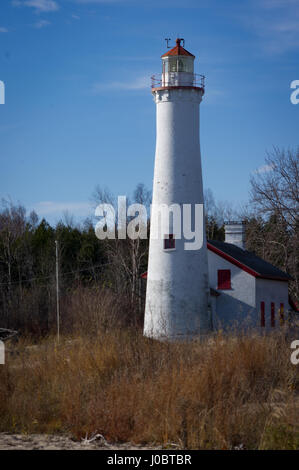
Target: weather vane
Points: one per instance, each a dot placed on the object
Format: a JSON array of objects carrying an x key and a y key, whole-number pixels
[{"x": 167, "y": 41}]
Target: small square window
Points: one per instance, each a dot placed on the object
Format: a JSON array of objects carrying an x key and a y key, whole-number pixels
[
  {"x": 224, "y": 279},
  {"x": 169, "y": 242}
]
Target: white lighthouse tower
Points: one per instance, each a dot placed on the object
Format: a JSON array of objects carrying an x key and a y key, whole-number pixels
[{"x": 177, "y": 295}]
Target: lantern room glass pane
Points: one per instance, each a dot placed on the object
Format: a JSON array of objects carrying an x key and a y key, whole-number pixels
[
  {"x": 186, "y": 65},
  {"x": 179, "y": 64},
  {"x": 172, "y": 64}
]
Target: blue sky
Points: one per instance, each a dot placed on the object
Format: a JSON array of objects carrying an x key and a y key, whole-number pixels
[{"x": 79, "y": 111}]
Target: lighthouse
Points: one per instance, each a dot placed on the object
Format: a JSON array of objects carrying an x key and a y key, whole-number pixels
[{"x": 177, "y": 293}]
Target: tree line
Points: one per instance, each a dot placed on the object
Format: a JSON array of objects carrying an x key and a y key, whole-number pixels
[{"x": 27, "y": 250}]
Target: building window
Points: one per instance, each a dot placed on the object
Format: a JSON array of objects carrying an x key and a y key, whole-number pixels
[
  {"x": 169, "y": 242},
  {"x": 224, "y": 279},
  {"x": 272, "y": 314},
  {"x": 262, "y": 314},
  {"x": 281, "y": 314}
]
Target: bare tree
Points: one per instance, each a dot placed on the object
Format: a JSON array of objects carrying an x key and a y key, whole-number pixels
[
  {"x": 216, "y": 213},
  {"x": 139, "y": 248},
  {"x": 275, "y": 188},
  {"x": 274, "y": 231},
  {"x": 126, "y": 257},
  {"x": 12, "y": 227}
]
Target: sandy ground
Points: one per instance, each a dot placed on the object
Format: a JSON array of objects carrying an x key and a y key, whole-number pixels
[{"x": 56, "y": 442}]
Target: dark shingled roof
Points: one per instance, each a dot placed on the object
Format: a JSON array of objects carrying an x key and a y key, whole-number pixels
[{"x": 247, "y": 261}]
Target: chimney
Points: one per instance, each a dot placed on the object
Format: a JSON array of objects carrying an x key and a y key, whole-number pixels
[{"x": 235, "y": 233}]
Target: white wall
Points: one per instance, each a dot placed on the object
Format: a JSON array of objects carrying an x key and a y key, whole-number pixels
[
  {"x": 271, "y": 291},
  {"x": 235, "y": 306},
  {"x": 242, "y": 302},
  {"x": 177, "y": 280}
]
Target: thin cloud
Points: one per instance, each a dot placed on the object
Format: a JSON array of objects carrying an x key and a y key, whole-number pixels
[
  {"x": 141, "y": 83},
  {"x": 278, "y": 36},
  {"x": 38, "y": 5},
  {"x": 53, "y": 207},
  {"x": 275, "y": 23},
  {"x": 271, "y": 4},
  {"x": 263, "y": 169},
  {"x": 99, "y": 1},
  {"x": 41, "y": 24},
  {"x": 214, "y": 96},
  {"x": 287, "y": 26},
  {"x": 3, "y": 30},
  {"x": 151, "y": 3}
]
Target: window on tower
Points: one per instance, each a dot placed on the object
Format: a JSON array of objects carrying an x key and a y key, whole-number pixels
[{"x": 169, "y": 242}]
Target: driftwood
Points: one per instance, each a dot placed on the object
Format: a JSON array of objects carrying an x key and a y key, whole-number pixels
[{"x": 6, "y": 334}]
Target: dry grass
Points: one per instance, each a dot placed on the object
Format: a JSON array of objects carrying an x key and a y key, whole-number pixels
[{"x": 224, "y": 393}]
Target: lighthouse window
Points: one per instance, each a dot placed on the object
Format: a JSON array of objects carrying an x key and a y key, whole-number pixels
[
  {"x": 169, "y": 242},
  {"x": 181, "y": 66},
  {"x": 172, "y": 65},
  {"x": 224, "y": 279}
]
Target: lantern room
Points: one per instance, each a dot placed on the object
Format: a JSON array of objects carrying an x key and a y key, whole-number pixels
[{"x": 178, "y": 66}]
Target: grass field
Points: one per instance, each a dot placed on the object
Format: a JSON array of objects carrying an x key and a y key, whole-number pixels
[{"x": 228, "y": 392}]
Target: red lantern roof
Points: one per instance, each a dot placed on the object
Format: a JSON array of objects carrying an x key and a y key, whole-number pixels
[{"x": 177, "y": 50}]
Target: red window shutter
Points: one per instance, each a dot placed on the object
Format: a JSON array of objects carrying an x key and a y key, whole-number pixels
[
  {"x": 262, "y": 314},
  {"x": 169, "y": 242},
  {"x": 272, "y": 314},
  {"x": 224, "y": 281},
  {"x": 281, "y": 313}
]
